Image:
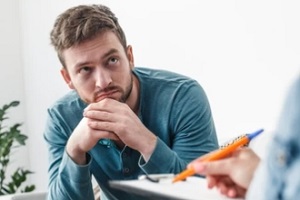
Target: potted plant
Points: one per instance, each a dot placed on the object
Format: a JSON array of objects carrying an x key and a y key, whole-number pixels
[{"x": 11, "y": 138}]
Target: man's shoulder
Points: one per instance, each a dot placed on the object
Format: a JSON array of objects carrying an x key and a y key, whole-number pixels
[
  {"x": 160, "y": 74},
  {"x": 159, "y": 83},
  {"x": 71, "y": 99}
]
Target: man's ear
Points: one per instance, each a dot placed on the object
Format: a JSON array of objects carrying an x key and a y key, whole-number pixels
[
  {"x": 129, "y": 53},
  {"x": 66, "y": 76}
]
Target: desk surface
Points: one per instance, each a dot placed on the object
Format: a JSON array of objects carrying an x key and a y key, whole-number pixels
[{"x": 37, "y": 195}]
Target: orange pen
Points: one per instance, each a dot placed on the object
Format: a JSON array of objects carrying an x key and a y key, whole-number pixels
[{"x": 220, "y": 153}]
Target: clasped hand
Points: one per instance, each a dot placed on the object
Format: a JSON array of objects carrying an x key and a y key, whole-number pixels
[{"x": 113, "y": 120}]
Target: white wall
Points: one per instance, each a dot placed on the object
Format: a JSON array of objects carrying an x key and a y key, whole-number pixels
[
  {"x": 11, "y": 77},
  {"x": 244, "y": 53}
]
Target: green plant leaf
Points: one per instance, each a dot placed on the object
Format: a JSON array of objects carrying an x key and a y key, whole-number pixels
[
  {"x": 14, "y": 103},
  {"x": 29, "y": 188},
  {"x": 21, "y": 139},
  {"x": 2, "y": 112},
  {"x": 11, "y": 104},
  {"x": 2, "y": 174},
  {"x": 11, "y": 187},
  {"x": 9, "y": 136},
  {"x": 5, "y": 149},
  {"x": 5, "y": 190},
  {"x": 5, "y": 161}
]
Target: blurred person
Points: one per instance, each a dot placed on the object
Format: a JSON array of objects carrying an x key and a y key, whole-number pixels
[{"x": 242, "y": 174}]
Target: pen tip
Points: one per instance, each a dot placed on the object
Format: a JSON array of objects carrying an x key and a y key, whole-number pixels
[
  {"x": 254, "y": 134},
  {"x": 183, "y": 175},
  {"x": 177, "y": 178}
]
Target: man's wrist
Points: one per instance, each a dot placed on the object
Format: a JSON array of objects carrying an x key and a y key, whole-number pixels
[
  {"x": 149, "y": 148},
  {"x": 79, "y": 157}
]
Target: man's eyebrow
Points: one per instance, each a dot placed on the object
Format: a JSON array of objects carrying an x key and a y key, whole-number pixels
[
  {"x": 82, "y": 64},
  {"x": 111, "y": 51}
]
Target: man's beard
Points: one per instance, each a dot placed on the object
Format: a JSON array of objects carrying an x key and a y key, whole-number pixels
[
  {"x": 127, "y": 91},
  {"x": 124, "y": 93}
]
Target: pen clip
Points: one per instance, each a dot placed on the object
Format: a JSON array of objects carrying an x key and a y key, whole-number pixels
[
  {"x": 231, "y": 141},
  {"x": 156, "y": 178}
]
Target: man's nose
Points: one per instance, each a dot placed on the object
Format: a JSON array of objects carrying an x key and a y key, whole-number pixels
[{"x": 103, "y": 78}]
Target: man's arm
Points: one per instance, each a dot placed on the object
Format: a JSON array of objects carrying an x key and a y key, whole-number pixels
[
  {"x": 67, "y": 180},
  {"x": 192, "y": 132}
]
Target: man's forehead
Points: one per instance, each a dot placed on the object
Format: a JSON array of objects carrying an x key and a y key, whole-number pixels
[{"x": 97, "y": 48}]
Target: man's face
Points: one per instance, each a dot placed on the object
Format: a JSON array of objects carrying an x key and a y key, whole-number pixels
[{"x": 99, "y": 68}]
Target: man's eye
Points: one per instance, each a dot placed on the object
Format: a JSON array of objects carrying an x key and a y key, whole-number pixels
[
  {"x": 112, "y": 60},
  {"x": 84, "y": 70}
]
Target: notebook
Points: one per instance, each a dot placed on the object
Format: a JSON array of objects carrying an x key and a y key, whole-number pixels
[{"x": 193, "y": 188}]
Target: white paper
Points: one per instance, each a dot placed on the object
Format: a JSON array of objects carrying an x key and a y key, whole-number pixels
[{"x": 193, "y": 188}]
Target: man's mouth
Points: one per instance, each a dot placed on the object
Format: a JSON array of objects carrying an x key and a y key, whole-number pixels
[{"x": 104, "y": 95}]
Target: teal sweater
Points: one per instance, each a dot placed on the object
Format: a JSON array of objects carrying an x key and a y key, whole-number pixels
[{"x": 174, "y": 107}]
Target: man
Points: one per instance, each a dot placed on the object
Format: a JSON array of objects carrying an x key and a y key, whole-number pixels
[
  {"x": 277, "y": 177},
  {"x": 119, "y": 121}
]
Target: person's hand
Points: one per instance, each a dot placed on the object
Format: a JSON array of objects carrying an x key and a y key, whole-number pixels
[
  {"x": 231, "y": 175},
  {"x": 83, "y": 139},
  {"x": 113, "y": 117}
]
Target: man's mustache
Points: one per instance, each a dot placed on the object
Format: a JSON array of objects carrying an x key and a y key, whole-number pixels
[{"x": 107, "y": 90}]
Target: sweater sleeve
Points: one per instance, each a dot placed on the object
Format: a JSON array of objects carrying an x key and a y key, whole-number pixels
[
  {"x": 192, "y": 132},
  {"x": 67, "y": 180},
  {"x": 280, "y": 168}
]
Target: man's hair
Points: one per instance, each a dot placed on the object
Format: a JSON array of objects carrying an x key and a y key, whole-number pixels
[{"x": 82, "y": 23}]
